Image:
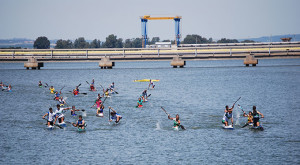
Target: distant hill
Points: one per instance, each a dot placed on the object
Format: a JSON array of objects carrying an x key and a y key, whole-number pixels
[
  {"x": 275, "y": 38},
  {"x": 28, "y": 43}
]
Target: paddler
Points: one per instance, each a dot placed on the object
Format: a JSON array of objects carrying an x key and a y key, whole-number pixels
[
  {"x": 144, "y": 95},
  {"x": 139, "y": 103},
  {"x": 77, "y": 89},
  {"x": 98, "y": 103},
  {"x": 9, "y": 88},
  {"x": 40, "y": 84},
  {"x": 228, "y": 115},
  {"x": 112, "y": 86},
  {"x": 176, "y": 121},
  {"x": 59, "y": 113},
  {"x": 250, "y": 117},
  {"x": 57, "y": 95},
  {"x": 52, "y": 89},
  {"x": 255, "y": 115},
  {"x": 73, "y": 110},
  {"x": 106, "y": 92},
  {"x": 75, "y": 92},
  {"x": 98, "y": 97},
  {"x": 151, "y": 84},
  {"x": 114, "y": 115},
  {"x": 80, "y": 123},
  {"x": 51, "y": 116},
  {"x": 100, "y": 110},
  {"x": 62, "y": 101},
  {"x": 92, "y": 86}
]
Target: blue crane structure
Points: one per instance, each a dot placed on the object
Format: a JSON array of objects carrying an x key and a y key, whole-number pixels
[{"x": 144, "y": 20}]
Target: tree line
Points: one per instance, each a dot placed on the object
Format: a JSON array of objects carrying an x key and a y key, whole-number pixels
[{"x": 112, "y": 41}]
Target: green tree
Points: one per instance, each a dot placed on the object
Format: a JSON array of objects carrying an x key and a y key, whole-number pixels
[
  {"x": 195, "y": 39},
  {"x": 137, "y": 43},
  {"x": 224, "y": 40},
  {"x": 247, "y": 41},
  {"x": 64, "y": 44},
  {"x": 154, "y": 40},
  {"x": 80, "y": 43},
  {"x": 112, "y": 42},
  {"x": 95, "y": 44},
  {"x": 128, "y": 43},
  {"x": 41, "y": 43}
]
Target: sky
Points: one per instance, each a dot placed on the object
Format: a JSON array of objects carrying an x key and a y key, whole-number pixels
[{"x": 96, "y": 19}]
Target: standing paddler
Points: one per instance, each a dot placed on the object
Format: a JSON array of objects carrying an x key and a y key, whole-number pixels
[
  {"x": 228, "y": 115},
  {"x": 59, "y": 114},
  {"x": 51, "y": 116}
]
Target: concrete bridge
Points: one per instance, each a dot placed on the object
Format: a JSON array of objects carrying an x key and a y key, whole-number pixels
[{"x": 250, "y": 53}]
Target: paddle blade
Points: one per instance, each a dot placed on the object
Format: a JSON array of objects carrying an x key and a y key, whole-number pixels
[
  {"x": 245, "y": 125},
  {"x": 182, "y": 127},
  {"x": 58, "y": 126}
]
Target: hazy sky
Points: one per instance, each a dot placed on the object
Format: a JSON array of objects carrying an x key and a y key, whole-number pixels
[{"x": 70, "y": 19}]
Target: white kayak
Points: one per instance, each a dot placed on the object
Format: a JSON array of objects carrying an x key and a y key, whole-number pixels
[
  {"x": 50, "y": 127},
  {"x": 63, "y": 124},
  {"x": 100, "y": 115},
  {"x": 227, "y": 127},
  {"x": 176, "y": 128}
]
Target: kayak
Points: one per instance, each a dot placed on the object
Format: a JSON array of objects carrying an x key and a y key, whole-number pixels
[
  {"x": 63, "y": 124},
  {"x": 176, "y": 128},
  {"x": 50, "y": 127},
  {"x": 146, "y": 80},
  {"x": 100, "y": 115},
  {"x": 227, "y": 127},
  {"x": 259, "y": 128},
  {"x": 140, "y": 106},
  {"x": 80, "y": 130}
]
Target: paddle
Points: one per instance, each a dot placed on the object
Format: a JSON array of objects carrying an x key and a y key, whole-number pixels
[
  {"x": 237, "y": 100},
  {"x": 241, "y": 108},
  {"x": 244, "y": 113},
  {"x": 62, "y": 88},
  {"x": 108, "y": 114},
  {"x": 101, "y": 86},
  {"x": 55, "y": 124},
  {"x": 87, "y": 82},
  {"x": 46, "y": 85},
  {"x": 181, "y": 126}
]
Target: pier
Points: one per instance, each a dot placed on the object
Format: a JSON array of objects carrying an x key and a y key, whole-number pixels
[{"x": 250, "y": 53}]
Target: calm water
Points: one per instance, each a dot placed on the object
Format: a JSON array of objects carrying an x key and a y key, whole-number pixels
[{"x": 198, "y": 93}]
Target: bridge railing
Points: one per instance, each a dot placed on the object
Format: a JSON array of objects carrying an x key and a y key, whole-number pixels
[{"x": 128, "y": 52}]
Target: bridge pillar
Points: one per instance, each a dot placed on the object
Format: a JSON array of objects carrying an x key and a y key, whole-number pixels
[
  {"x": 105, "y": 63},
  {"x": 250, "y": 59},
  {"x": 33, "y": 64},
  {"x": 177, "y": 61}
]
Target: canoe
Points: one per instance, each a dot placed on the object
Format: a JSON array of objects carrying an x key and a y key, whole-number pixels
[
  {"x": 146, "y": 80},
  {"x": 227, "y": 127}
]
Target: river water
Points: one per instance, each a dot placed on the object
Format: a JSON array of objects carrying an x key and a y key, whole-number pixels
[{"x": 198, "y": 93}]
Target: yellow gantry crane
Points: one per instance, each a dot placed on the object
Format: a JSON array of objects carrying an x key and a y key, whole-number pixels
[{"x": 144, "y": 20}]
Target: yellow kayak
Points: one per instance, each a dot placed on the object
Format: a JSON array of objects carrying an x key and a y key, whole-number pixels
[{"x": 146, "y": 80}]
